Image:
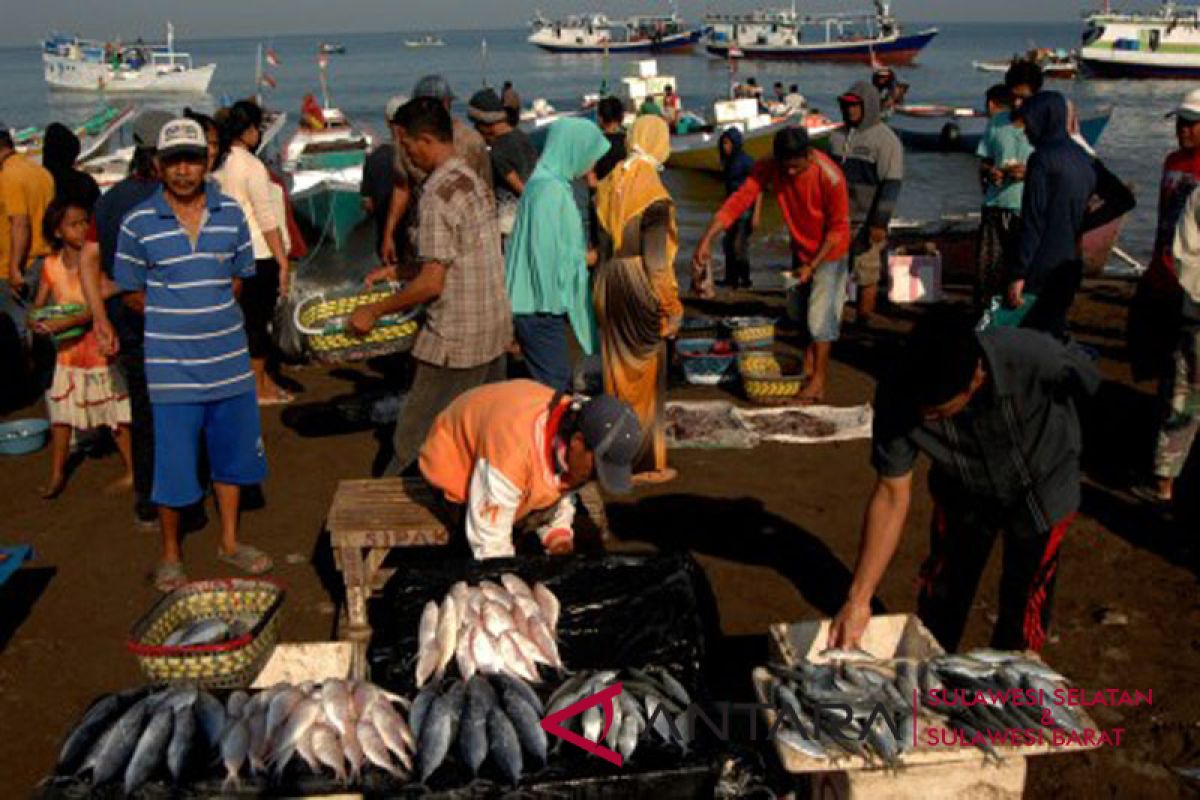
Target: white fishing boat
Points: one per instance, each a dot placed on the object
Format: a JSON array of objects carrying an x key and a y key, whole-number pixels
[
  {"x": 85, "y": 65},
  {"x": 1055, "y": 64},
  {"x": 425, "y": 41},
  {"x": 596, "y": 33},
  {"x": 325, "y": 165},
  {"x": 1160, "y": 44}
]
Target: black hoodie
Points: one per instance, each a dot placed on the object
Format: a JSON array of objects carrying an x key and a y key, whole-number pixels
[{"x": 59, "y": 151}]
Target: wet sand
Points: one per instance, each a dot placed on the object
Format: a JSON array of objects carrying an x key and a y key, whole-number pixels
[{"x": 775, "y": 528}]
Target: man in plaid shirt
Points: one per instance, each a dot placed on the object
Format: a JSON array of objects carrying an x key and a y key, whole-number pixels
[{"x": 459, "y": 277}]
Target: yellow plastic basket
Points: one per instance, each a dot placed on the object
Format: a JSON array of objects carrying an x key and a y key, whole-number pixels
[
  {"x": 751, "y": 332},
  {"x": 322, "y": 320},
  {"x": 770, "y": 379}
]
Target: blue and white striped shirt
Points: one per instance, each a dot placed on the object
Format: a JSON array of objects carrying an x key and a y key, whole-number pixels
[{"x": 195, "y": 334}]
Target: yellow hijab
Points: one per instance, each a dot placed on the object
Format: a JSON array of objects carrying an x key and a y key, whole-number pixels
[{"x": 634, "y": 184}]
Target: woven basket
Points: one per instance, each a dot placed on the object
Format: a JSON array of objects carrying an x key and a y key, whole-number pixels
[
  {"x": 46, "y": 313},
  {"x": 703, "y": 367},
  {"x": 751, "y": 332},
  {"x": 226, "y": 665},
  {"x": 322, "y": 319},
  {"x": 770, "y": 379},
  {"x": 700, "y": 328}
]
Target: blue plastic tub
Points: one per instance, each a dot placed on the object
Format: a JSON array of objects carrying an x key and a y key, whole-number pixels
[{"x": 23, "y": 436}]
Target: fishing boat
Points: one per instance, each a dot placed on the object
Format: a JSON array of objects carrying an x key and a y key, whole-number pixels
[
  {"x": 698, "y": 150},
  {"x": 94, "y": 133},
  {"x": 873, "y": 37},
  {"x": 84, "y": 65},
  {"x": 325, "y": 164},
  {"x": 946, "y": 129},
  {"x": 1164, "y": 43},
  {"x": 595, "y": 33},
  {"x": 1055, "y": 64},
  {"x": 425, "y": 41},
  {"x": 333, "y": 48}
]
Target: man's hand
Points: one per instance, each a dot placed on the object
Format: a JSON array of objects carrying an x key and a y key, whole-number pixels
[
  {"x": 804, "y": 273},
  {"x": 1015, "y": 172},
  {"x": 995, "y": 176},
  {"x": 878, "y": 235},
  {"x": 1016, "y": 294},
  {"x": 559, "y": 542},
  {"x": 847, "y": 628},
  {"x": 380, "y": 275},
  {"x": 593, "y": 257},
  {"x": 703, "y": 254},
  {"x": 387, "y": 252},
  {"x": 362, "y": 320}
]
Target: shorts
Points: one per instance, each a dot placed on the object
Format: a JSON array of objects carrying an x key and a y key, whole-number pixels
[
  {"x": 232, "y": 437},
  {"x": 826, "y": 300},
  {"x": 867, "y": 259}
]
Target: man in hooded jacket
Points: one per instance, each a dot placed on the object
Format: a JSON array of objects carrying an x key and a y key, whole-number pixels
[
  {"x": 736, "y": 165},
  {"x": 59, "y": 152},
  {"x": 1059, "y": 179},
  {"x": 872, "y": 158}
]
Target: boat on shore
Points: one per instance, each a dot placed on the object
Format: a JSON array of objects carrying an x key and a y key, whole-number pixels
[
  {"x": 595, "y": 33},
  {"x": 1055, "y": 64},
  {"x": 1162, "y": 44},
  {"x": 84, "y": 65},
  {"x": 333, "y": 48},
  {"x": 698, "y": 150},
  {"x": 946, "y": 129},
  {"x": 324, "y": 159},
  {"x": 95, "y": 133},
  {"x": 867, "y": 37},
  {"x": 425, "y": 41}
]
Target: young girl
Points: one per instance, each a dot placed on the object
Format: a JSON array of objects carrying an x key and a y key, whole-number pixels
[{"x": 87, "y": 391}]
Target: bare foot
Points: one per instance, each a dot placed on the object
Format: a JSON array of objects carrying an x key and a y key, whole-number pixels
[
  {"x": 654, "y": 477},
  {"x": 811, "y": 395},
  {"x": 54, "y": 488},
  {"x": 120, "y": 485}
]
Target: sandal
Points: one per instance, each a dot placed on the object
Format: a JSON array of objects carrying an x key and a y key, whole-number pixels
[
  {"x": 654, "y": 477},
  {"x": 249, "y": 560},
  {"x": 281, "y": 399},
  {"x": 168, "y": 576}
]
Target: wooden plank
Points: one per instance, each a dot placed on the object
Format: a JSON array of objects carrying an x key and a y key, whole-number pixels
[{"x": 388, "y": 512}]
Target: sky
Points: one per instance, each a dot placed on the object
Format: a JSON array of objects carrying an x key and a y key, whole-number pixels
[{"x": 27, "y": 21}]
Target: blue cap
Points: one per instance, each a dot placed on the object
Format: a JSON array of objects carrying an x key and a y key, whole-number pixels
[{"x": 614, "y": 435}]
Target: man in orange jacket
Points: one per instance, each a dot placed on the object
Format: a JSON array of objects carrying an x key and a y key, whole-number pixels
[{"x": 507, "y": 450}]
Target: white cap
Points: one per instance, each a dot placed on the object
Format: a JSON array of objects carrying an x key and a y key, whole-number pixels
[
  {"x": 1189, "y": 107},
  {"x": 393, "y": 105},
  {"x": 182, "y": 137}
]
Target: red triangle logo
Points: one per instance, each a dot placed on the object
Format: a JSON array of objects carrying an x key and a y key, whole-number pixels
[{"x": 551, "y": 724}]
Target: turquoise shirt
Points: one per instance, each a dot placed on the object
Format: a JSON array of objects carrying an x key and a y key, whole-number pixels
[{"x": 1003, "y": 143}]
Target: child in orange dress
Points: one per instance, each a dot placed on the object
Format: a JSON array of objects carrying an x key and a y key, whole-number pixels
[{"x": 87, "y": 392}]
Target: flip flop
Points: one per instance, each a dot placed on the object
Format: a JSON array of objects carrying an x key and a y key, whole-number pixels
[
  {"x": 279, "y": 400},
  {"x": 168, "y": 576},
  {"x": 246, "y": 558},
  {"x": 655, "y": 477}
]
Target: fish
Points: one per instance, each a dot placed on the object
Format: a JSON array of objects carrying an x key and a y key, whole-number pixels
[
  {"x": 846, "y": 654},
  {"x": 235, "y": 746},
  {"x": 504, "y": 746},
  {"x": 528, "y": 607},
  {"x": 484, "y": 651},
  {"x": 508, "y": 683},
  {"x": 533, "y": 654},
  {"x": 461, "y": 593},
  {"x": 83, "y": 736},
  {"x": 801, "y": 744},
  {"x": 256, "y": 723},
  {"x": 304, "y": 716},
  {"x": 151, "y": 747},
  {"x": 336, "y": 704},
  {"x": 527, "y": 724},
  {"x": 548, "y": 603},
  {"x": 280, "y": 708},
  {"x": 428, "y": 651},
  {"x": 614, "y": 727},
  {"x": 304, "y": 749},
  {"x": 496, "y": 594},
  {"x": 374, "y": 749},
  {"x": 447, "y": 635},
  {"x": 437, "y": 733},
  {"x": 515, "y": 661},
  {"x": 174, "y": 637},
  {"x": 882, "y": 743},
  {"x": 541, "y": 636},
  {"x": 327, "y": 747},
  {"x": 183, "y": 735},
  {"x": 181, "y": 698},
  {"x": 420, "y": 707},
  {"x": 206, "y": 631},
  {"x": 362, "y": 696},
  {"x": 111, "y": 753},
  {"x": 496, "y": 618},
  {"x": 627, "y": 738},
  {"x": 593, "y": 723},
  {"x": 455, "y": 697},
  {"x": 353, "y": 753},
  {"x": 472, "y": 733},
  {"x": 515, "y": 586},
  {"x": 674, "y": 688},
  {"x": 463, "y": 656},
  {"x": 210, "y": 718},
  {"x": 393, "y": 730},
  {"x": 567, "y": 689}
]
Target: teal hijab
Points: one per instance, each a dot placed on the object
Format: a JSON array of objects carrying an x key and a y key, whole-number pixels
[{"x": 547, "y": 253}]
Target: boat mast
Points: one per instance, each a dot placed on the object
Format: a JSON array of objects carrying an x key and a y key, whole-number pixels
[
  {"x": 258, "y": 73},
  {"x": 323, "y": 64}
]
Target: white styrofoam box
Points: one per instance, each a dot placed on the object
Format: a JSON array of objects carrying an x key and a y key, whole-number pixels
[
  {"x": 915, "y": 279},
  {"x": 760, "y": 121},
  {"x": 642, "y": 69},
  {"x": 736, "y": 110},
  {"x": 635, "y": 88},
  {"x": 659, "y": 84}
]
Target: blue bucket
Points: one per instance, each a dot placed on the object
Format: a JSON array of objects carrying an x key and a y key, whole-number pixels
[{"x": 23, "y": 436}]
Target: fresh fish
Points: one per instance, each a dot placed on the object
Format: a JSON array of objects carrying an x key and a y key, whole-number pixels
[
  {"x": 880, "y": 738},
  {"x": 508, "y": 683},
  {"x": 374, "y": 749},
  {"x": 428, "y": 651},
  {"x": 306, "y": 714},
  {"x": 484, "y": 651},
  {"x": 236, "y": 704},
  {"x": 111, "y": 753},
  {"x": 527, "y": 723},
  {"x": 496, "y": 619},
  {"x": 455, "y": 697},
  {"x": 532, "y": 654},
  {"x": 543, "y": 639},
  {"x": 514, "y": 660},
  {"x": 362, "y": 696},
  {"x": 437, "y": 732},
  {"x": 627, "y": 739},
  {"x": 569, "y": 687},
  {"x": 420, "y": 707},
  {"x": 280, "y": 708},
  {"x": 235, "y": 746},
  {"x": 515, "y": 585},
  {"x": 393, "y": 730},
  {"x": 463, "y": 656},
  {"x": 952, "y": 665},
  {"x": 614, "y": 729},
  {"x": 352, "y": 752},
  {"x": 174, "y": 637},
  {"x": 461, "y": 593},
  {"x": 92, "y": 725},
  {"x": 549, "y": 605},
  {"x": 593, "y": 723},
  {"x": 674, "y": 688},
  {"x": 496, "y": 594},
  {"x": 472, "y": 732},
  {"x": 151, "y": 747},
  {"x": 181, "y": 698},
  {"x": 528, "y": 607},
  {"x": 210, "y": 718},
  {"x": 658, "y": 717},
  {"x": 183, "y": 735},
  {"x": 801, "y": 744},
  {"x": 504, "y": 745},
  {"x": 206, "y": 631},
  {"x": 327, "y": 747},
  {"x": 256, "y": 723},
  {"x": 447, "y": 634},
  {"x": 846, "y": 654},
  {"x": 304, "y": 749},
  {"x": 336, "y": 704}
]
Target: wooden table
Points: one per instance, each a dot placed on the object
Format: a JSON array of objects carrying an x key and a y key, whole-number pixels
[{"x": 369, "y": 518}]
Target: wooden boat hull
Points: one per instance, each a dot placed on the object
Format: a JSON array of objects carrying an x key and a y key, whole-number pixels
[
  {"x": 698, "y": 151},
  {"x": 957, "y": 133}
]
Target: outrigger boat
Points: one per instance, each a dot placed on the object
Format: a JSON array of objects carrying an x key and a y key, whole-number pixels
[
  {"x": 946, "y": 129},
  {"x": 595, "y": 33},
  {"x": 92, "y": 66},
  {"x": 1054, "y": 63},
  {"x": 868, "y": 37}
]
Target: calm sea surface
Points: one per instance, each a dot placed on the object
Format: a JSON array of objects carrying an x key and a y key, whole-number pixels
[{"x": 376, "y": 66}]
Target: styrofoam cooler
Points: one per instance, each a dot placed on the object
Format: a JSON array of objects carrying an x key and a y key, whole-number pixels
[
  {"x": 915, "y": 278},
  {"x": 736, "y": 110},
  {"x": 635, "y": 88},
  {"x": 647, "y": 68},
  {"x": 659, "y": 83}
]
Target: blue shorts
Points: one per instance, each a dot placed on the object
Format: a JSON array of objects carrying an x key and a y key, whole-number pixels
[{"x": 232, "y": 437}]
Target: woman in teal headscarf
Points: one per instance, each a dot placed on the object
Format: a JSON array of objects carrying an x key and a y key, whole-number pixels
[{"x": 547, "y": 261}]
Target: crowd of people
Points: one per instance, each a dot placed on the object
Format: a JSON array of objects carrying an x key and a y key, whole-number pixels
[{"x": 175, "y": 271}]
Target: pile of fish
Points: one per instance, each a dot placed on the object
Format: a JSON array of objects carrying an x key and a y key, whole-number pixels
[
  {"x": 807, "y": 694},
  {"x": 210, "y": 631},
  {"x": 496, "y": 717},
  {"x": 651, "y": 701},
  {"x": 141, "y": 734},
  {"x": 490, "y": 628}
]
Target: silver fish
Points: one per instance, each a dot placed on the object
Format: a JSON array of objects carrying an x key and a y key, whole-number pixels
[
  {"x": 548, "y": 604},
  {"x": 447, "y": 634},
  {"x": 428, "y": 650},
  {"x": 183, "y": 735},
  {"x": 801, "y": 744},
  {"x": 94, "y": 722},
  {"x": 882, "y": 742},
  {"x": 374, "y": 749},
  {"x": 236, "y": 704},
  {"x": 515, "y": 661},
  {"x": 504, "y": 745},
  {"x": 515, "y": 586},
  {"x": 627, "y": 739},
  {"x": 496, "y": 619},
  {"x": 463, "y": 656},
  {"x": 593, "y": 723},
  {"x": 111, "y": 753},
  {"x": 327, "y": 747},
  {"x": 674, "y": 688},
  {"x": 613, "y": 734},
  {"x": 437, "y": 732},
  {"x": 174, "y": 637},
  {"x": 304, "y": 749},
  {"x": 569, "y": 687},
  {"x": 235, "y": 746},
  {"x": 496, "y": 594},
  {"x": 151, "y": 747},
  {"x": 392, "y": 729},
  {"x": 280, "y": 708},
  {"x": 541, "y": 636},
  {"x": 353, "y": 753},
  {"x": 256, "y": 723},
  {"x": 484, "y": 651},
  {"x": 472, "y": 731},
  {"x": 420, "y": 707},
  {"x": 306, "y": 714},
  {"x": 335, "y": 703},
  {"x": 206, "y": 631},
  {"x": 527, "y": 723}
]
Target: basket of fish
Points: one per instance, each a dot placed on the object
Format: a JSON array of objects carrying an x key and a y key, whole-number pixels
[
  {"x": 322, "y": 319},
  {"x": 751, "y": 333},
  {"x": 217, "y": 633},
  {"x": 707, "y": 362}
]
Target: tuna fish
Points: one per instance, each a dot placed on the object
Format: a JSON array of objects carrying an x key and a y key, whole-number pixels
[
  {"x": 151, "y": 747},
  {"x": 93, "y": 725},
  {"x": 504, "y": 746},
  {"x": 510, "y": 684},
  {"x": 183, "y": 734}
]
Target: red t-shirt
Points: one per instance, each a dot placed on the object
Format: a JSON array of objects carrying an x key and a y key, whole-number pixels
[{"x": 1181, "y": 174}]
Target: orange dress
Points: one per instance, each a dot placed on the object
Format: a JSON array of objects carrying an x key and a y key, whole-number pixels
[{"x": 88, "y": 391}]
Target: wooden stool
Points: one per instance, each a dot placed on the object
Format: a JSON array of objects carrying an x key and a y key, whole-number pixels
[{"x": 367, "y": 519}]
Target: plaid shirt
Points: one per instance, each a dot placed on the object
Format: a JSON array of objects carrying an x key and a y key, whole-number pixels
[{"x": 471, "y": 322}]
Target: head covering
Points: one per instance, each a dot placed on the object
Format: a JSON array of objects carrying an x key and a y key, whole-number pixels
[
  {"x": 1189, "y": 107},
  {"x": 1045, "y": 116},
  {"x": 634, "y": 184},
  {"x": 737, "y": 165},
  {"x": 60, "y": 148},
  {"x": 434, "y": 86},
  {"x": 863, "y": 92},
  {"x": 612, "y": 432},
  {"x": 148, "y": 126},
  {"x": 182, "y": 137},
  {"x": 393, "y": 105},
  {"x": 546, "y": 261},
  {"x": 485, "y": 107}
]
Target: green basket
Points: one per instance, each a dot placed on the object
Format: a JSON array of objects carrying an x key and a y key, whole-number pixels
[{"x": 46, "y": 313}]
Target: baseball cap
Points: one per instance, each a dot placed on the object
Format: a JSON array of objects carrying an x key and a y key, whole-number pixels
[
  {"x": 434, "y": 86},
  {"x": 393, "y": 105},
  {"x": 181, "y": 137},
  {"x": 612, "y": 432},
  {"x": 1189, "y": 107},
  {"x": 148, "y": 126},
  {"x": 485, "y": 107},
  {"x": 850, "y": 98}
]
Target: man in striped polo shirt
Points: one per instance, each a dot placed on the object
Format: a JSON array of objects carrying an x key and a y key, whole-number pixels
[{"x": 184, "y": 253}]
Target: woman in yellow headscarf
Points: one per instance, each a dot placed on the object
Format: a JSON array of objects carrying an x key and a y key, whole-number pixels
[{"x": 635, "y": 290}]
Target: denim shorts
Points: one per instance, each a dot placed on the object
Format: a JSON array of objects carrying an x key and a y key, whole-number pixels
[{"x": 822, "y": 300}]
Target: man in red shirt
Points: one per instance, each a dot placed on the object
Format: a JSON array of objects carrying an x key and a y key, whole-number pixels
[{"x": 811, "y": 192}]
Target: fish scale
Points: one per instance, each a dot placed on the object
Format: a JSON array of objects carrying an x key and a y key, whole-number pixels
[
  {"x": 111, "y": 753},
  {"x": 527, "y": 724},
  {"x": 150, "y": 750},
  {"x": 504, "y": 746},
  {"x": 182, "y": 738}
]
